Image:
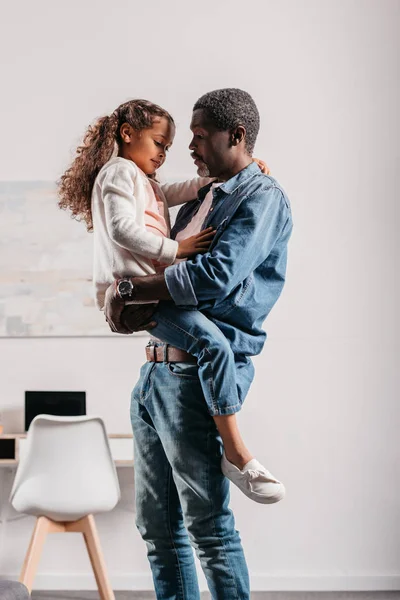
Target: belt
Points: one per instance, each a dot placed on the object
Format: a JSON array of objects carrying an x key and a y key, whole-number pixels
[{"x": 168, "y": 353}]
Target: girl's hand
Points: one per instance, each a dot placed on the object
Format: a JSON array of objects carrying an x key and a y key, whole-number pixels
[
  {"x": 263, "y": 166},
  {"x": 197, "y": 244}
]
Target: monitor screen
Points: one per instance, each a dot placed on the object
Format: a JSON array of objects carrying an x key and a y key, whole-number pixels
[{"x": 64, "y": 404}]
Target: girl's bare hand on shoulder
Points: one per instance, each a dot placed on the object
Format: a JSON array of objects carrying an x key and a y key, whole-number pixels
[{"x": 264, "y": 168}]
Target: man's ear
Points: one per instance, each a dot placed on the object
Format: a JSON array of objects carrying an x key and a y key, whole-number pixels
[
  {"x": 238, "y": 135},
  {"x": 127, "y": 133}
]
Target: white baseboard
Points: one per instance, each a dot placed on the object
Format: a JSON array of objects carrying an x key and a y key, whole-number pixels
[{"x": 259, "y": 582}]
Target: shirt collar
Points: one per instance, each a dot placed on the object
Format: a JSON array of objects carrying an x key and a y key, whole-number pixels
[
  {"x": 236, "y": 181},
  {"x": 202, "y": 193}
]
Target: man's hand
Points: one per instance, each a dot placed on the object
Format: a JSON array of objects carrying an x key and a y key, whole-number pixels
[
  {"x": 263, "y": 166},
  {"x": 113, "y": 307},
  {"x": 138, "y": 317}
]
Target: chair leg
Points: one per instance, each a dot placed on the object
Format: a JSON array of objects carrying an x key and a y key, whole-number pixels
[
  {"x": 88, "y": 527},
  {"x": 42, "y": 528}
]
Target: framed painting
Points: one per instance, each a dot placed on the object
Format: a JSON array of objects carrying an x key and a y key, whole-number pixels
[{"x": 45, "y": 266}]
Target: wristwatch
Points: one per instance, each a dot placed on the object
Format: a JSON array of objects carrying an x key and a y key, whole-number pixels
[{"x": 125, "y": 288}]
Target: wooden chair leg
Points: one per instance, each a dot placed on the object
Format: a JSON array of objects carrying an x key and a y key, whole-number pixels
[
  {"x": 88, "y": 527},
  {"x": 42, "y": 528}
]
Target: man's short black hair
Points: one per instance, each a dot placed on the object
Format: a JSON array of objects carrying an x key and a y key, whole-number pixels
[{"x": 230, "y": 107}]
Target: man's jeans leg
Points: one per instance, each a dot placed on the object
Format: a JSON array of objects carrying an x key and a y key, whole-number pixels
[
  {"x": 170, "y": 396},
  {"x": 158, "y": 511}
]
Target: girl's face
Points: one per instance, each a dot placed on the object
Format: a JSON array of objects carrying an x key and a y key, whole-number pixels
[{"x": 148, "y": 148}]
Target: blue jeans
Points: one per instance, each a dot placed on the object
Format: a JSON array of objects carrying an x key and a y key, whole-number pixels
[
  {"x": 225, "y": 377},
  {"x": 181, "y": 495}
]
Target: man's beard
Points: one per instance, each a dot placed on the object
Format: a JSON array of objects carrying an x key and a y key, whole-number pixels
[{"x": 203, "y": 171}]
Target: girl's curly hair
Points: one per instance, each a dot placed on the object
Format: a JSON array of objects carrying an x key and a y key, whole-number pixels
[{"x": 76, "y": 185}]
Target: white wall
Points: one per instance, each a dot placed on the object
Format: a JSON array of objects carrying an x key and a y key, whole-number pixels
[{"x": 323, "y": 412}]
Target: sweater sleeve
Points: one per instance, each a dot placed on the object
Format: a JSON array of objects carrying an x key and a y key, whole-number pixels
[
  {"x": 184, "y": 191},
  {"x": 121, "y": 210}
]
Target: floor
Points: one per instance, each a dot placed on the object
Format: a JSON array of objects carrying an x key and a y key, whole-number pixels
[{"x": 256, "y": 596}]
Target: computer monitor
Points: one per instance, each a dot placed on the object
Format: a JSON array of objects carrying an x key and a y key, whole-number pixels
[{"x": 63, "y": 404}]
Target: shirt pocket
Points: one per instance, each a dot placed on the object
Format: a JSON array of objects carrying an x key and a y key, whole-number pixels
[
  {"x": 223, "y": 224},
  {"x": 220, "y": 228}
]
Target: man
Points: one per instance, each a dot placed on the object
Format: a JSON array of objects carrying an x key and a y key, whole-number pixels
[{"x": 181, "y": 493}]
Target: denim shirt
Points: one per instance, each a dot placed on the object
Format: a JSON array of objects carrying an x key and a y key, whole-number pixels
[{"x": 237, "y": 282}]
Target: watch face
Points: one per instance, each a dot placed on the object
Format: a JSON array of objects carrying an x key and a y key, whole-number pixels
[{"x": 125, "y": 288}]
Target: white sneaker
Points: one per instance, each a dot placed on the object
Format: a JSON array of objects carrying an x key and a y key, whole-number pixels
[{"x": 254, "y": 480}]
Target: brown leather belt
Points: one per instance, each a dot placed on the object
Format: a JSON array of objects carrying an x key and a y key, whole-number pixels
[{"x": 168, "y": 354}]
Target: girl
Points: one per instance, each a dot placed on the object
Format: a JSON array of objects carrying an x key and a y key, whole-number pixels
[{"x": 121, "y": 202}]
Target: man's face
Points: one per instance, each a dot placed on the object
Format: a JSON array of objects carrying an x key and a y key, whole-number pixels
[{"x": 210, "y": 148}]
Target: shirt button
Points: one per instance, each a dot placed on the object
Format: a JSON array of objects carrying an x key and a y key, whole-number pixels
[{"x": 211, "y": 209}]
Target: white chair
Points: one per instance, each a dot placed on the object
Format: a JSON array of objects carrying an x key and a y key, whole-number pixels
[{"x": 65, "y": 475}]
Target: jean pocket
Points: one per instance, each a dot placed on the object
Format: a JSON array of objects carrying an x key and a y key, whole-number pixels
[
  {"x": 143, "y": 387},
  {"x": 185, "y": 370}
]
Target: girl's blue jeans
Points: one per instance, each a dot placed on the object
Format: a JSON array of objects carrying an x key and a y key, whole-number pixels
[
  {"x": 181, "y": 494},
  {"x": 225, "y": 377}
]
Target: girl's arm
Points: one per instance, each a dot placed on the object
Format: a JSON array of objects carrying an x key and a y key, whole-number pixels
[
  {"x": 121, "y": 211},
  {"x": 184, "y": 191}
]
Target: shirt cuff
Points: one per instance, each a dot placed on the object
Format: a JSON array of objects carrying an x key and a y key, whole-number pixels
[{"x": 179, "y": 285}]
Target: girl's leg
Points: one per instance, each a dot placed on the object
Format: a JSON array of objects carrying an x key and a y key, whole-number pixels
[
  {"x": 191, "y": 331},
  {"x": 218, "y": 372},
  {"x": 235, "y": 449}
]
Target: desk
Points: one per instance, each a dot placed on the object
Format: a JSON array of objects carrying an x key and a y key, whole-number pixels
[{"x": 121, "y": 445}]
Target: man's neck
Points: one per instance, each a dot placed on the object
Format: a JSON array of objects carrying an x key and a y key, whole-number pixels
[{"x": 240, "y": 164}]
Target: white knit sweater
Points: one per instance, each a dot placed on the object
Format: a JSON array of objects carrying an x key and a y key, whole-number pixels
[{"x": 122, "y": 245}]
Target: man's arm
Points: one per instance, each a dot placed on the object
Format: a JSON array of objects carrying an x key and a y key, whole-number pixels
[
  {"x": 246, "y": 242},
  {"x": 150, "y": 287},
  {"x": 183, "y": 191}
]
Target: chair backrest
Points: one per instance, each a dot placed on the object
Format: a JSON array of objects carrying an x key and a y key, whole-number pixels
[{"x": 67, "y": 457}]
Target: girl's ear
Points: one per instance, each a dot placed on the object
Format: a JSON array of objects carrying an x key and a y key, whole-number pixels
[{"x": 127, "y": 133}]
